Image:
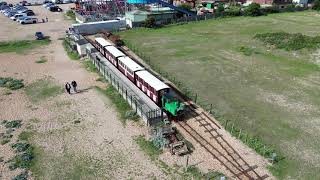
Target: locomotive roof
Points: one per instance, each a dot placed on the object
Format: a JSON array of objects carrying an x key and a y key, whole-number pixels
[
  {"x": 114, "y": 51},
  {"x": 103, "y": 42},
  {"x": 131, "y": 64},
  {"x": 152, "y": 80}
]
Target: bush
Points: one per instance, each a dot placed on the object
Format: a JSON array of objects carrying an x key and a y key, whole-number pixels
[
  {"x": 150, "y": 22},
  {"x": 13, "y": 124},
  {"x": 10, "y": 83},
  {"x": 270, "y": 10},
  {"x": 185, "y": 6},
  {"x": 21, "y": 176},
  {"x": 253, "y": 10},
  {"x": 233, "y": 11},
  {"x": 20, "y": 147},
  {"x": 290, "y": 8},
  {"x": 283, "y": 40},
  {"x": 316, "y": 5},
  {"x": 23, "y": 160}
]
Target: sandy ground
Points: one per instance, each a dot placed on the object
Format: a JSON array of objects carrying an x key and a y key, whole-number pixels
[{"x": 99, "y": 138}]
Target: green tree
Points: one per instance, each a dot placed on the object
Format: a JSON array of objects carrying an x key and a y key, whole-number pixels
[
  {"x": 316, "y": 5},
  {"x": 185, "y": 6},
  {"x": 253, "y": 10},
  {"x": 220, "y": 8},
  {"x": 150, "y": 22}
]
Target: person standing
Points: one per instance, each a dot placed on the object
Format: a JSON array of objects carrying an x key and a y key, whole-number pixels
[
  {"x": 68, "y": 87},
  {"x": 47, "y": 19},
  {"x": 74, "y": 85}
]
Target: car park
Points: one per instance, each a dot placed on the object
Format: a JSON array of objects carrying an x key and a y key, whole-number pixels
[{"x": 29, "y": 20}]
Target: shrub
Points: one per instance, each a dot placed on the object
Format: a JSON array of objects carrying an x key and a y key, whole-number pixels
[
  {"x": 316, "y": 5},
  {"x": 10, "y": 83},
  {"x": 270, "y": 10},
  {"x": 150, "y": 22},
  {"x": 185, "y": 6},
  {"x": 13, "y": 124},
  {"x": 4, "y": 141},
  {"x": 253, "y": 10},
  {"x": 233, "y": 11},
  {"x": 20, "y": 147},
  {"x": 23, "y": 160},
  {"x": 21, "y": 176},
  {"x": 283, "y": 40}
]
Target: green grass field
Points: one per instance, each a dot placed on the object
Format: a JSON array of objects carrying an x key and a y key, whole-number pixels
[{"x": 270, "y": 93}]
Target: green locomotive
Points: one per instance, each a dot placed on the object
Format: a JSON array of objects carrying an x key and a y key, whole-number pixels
[{"x": 172, "y": 105}]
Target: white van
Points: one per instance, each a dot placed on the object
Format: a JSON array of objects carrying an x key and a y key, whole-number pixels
[{"x": 16, "y": 16}]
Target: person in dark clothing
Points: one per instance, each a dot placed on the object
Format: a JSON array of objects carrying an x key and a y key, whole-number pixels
[
  {"x": 74, "y": 85},
  {"x": 68, "y": 87},
  {"x": 47, "y": 19}
]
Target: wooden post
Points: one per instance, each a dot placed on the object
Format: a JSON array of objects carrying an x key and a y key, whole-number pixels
[
  {"x": 126, "y": 94},
  {"x": 246, "y": 138}
]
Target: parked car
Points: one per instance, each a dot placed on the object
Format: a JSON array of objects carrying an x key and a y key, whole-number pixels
[
  {"x": 29, "y": 12},
  {"x": 4, "y": 7},
  {"x": 29, "y": 20},
  {"x": 16, "y": 16},
  {"x": 3, "y": 3},
  {"x": 23, "y": 10},
  {"x": 10, "y": 13},
  {"x": 55, "y": 9},
  {"x": 47, "y": 4},
  {"x": 39, "y": 35},
  {"x": 24, "y": 3},
  {"x": 51, "y": 5},
  {"x": 21, "y": 18}
]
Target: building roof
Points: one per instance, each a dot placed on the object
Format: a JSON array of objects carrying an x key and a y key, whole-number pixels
[
  {"x": 151, "y": 80},
  {"x": 131, "y": 64},
  {"x": 114, "y": 51},
  {"x": 103, "y": 42}
]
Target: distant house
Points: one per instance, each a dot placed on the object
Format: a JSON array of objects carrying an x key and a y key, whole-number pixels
[
  {"x": 303, "y": 2},
  {"x": 278, "y": 3}
]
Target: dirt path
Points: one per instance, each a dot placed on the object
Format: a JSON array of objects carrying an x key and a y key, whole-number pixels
[{"x": 97, "y": 146}]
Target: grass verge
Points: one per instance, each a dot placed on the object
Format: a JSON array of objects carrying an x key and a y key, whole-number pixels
[
  {"x": 121, "y": 105},
  {"x": 71, "y": 53},
  {"x": 42, "y": 89},
  {"x": 21, "y": 46}
]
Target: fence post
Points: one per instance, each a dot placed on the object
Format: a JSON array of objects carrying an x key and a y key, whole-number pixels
[
  {"x": 232, "y": 128},
  {"x": 126, "y": 94},
  {"x": 135, "y": 103},
  {"x": 195, "y": 98}
]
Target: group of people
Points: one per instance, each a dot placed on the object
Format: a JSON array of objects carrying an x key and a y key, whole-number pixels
[{"x": 74, "y": 86}]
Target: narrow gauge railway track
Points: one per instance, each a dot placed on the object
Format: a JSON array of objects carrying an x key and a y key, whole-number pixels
[{"x": 218, "y": 147}]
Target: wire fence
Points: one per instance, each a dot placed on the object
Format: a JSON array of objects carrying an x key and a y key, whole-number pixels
[{"x": 149, "y": 115}]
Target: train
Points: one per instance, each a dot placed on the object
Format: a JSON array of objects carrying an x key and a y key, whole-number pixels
[{"x": 159, "y": 92}]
